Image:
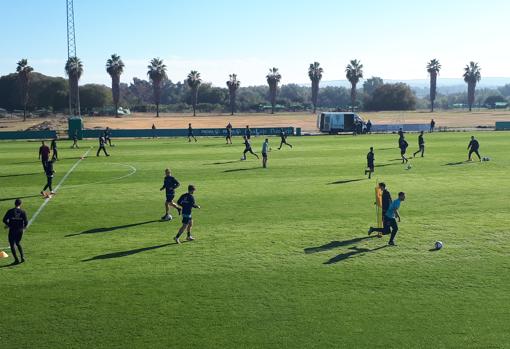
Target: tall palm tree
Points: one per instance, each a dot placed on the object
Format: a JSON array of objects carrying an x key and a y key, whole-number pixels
[
  {"x": 353, "y": 73},
  {"x": 115, "y": 67},
  {"x": 433, "y": 68},
  {"x": 74, "y": 70},
  {"x": 24, "y": 70},
  {"x": 194, "y": 82},
  {"x": 156, "y": 73},
  {"x": 315, "y": 74},
  {"x": 233, "y": 85},
  {"x": 273, "y": 79},
  {"x": 472, "y": 76}
]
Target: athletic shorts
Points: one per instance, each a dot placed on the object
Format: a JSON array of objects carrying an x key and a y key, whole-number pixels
[
  {"x": 170, "y": 197},
  {"x": 264, "y": 155},
  {"x": 402, "y": 151},
  {"x": 15, "y": 236},
  {"x": 371, "y": 167},
  {"x": 186, "y": 218}
]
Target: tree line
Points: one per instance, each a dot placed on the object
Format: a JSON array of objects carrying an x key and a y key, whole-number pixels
[{"x": 26, "y": 89}]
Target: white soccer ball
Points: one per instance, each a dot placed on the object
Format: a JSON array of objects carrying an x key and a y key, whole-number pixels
[{"x": 438, "y": 245}]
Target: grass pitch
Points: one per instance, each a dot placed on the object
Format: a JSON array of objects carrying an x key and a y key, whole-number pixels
[{"x": 282, "y": 258}]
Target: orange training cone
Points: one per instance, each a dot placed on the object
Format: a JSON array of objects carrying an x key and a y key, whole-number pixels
[{"x": 3, "y": 255}]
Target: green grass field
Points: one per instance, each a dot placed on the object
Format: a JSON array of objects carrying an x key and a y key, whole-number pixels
[{"x": 103, "y": 272}]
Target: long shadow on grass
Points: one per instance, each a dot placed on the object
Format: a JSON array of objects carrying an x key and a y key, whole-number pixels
[
  {"x": 384, "y": 165},
  {"x": 354, "y": 252},
  {"x": 334, "y": 244},
  {"x": 125, "y": 253},
  {"x": 241, "y": 169},
  {"x": 224, "y": 162},
  {"x": 348, "y": 181},
  {"x": 19, "y": 175},
  {"x": 459, "y": 163},
  {"x": 19, "y": 197},
  {"x": 105, "y": 230}
]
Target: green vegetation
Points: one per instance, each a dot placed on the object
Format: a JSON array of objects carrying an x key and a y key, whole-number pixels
[{"x": 281, "y": 260}]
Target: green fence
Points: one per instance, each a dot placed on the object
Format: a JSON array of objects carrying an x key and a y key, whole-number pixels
[
  {"x": 198, "y": 132},
  {"x": 13, "y": 135},
  {"x": 503, "y": 126}
]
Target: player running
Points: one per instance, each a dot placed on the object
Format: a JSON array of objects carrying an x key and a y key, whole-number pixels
[
  {"x": 190, "y": 133},
  {"x": 229, "y": 133},
  {"x": 170, "y": 184},
  {"x": 107, "y": 135},
  {"x": 370, "y": 163},
  {"x": 53, "y": 147},
  {"x": 16, "y": 220},
  {"x": 187, "y": 202},
  {"x": 247, "y": 132},
  {"x": 473, "y": 147},
  {"x": 44, "y": 154},
  {"x": 247, "y": 148},
  {"x": 432, "y": 125},
  {"x": 283, "y": 140},
  {"x": 402, "y": 144},
  {"x": 265, "y": 149},
  {"x": 390, "y": 222},
  {"x": 385, "y": 204},
  {"x": 102, "y": 145},
  {"x": 421, "y": 145},
  {"x": 50, "y": 172}
]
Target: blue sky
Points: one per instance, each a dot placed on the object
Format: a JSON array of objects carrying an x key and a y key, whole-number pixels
[{"x": 393, "y": 38}]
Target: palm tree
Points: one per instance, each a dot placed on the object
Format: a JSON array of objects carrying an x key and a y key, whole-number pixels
[
  {"x": 472, "y": 76},
  {"x": 194, "y": 82},
  {"x": 115, "y": 67},
  {"x": 433, "y": 68},
  {"x": 353, "y": 73},
  {"x": 315, "y": 74},
  {"x": 156, "y": 73},
  {"x": 273, "y": 79},
  {"x": 74, "y": 70},
  {"x": 24, "y": 70},
  {"x": 233, "y": 85}
]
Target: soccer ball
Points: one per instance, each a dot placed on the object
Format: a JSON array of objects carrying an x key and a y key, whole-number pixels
[
  {"x": 409, "y": 167},
  {"x": 438, "y": 245},
  {"x": 486, "y": 158}
]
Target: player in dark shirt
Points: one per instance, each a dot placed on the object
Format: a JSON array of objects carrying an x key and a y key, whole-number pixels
[
  {"x": 75, "y": 140},
  {"x": 402, "y": 144},
  {"x": 432, "y": 125},
  {"x": 170, "y": 184},
  {"x": 102, "y": 145},
  {"x": 247, "y": 148},
  {"x": 53, "y": 147},
  {"x": 108, "y": 135},
  {"x": 16, "y": 220},
  {"x": 386, "y": 202},
  {"x": 190, "y": 133},
  {"x": 369, "y": 126},
  {"x": 48, "y": 169},
  {"x": 283, "y": 139},
  {"x": 229, "y": 133},
  {"x": 187, "y": 202},
  {"x": 473, "y": 148},
  {"x": 247, "y": 132},
  {"x": 421, "y": 145},
  {"x": 44, "y": 154},
  {"x": 370, "y": 163}
]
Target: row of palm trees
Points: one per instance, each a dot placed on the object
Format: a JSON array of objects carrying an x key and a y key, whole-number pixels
[{"x": 157, "y": 74}]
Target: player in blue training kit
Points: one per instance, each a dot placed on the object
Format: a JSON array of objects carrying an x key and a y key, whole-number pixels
[
  {"x": 16, "y": 220},
  {"x": 247, "y": 148},
  {"x": 390, "y": 219},
  {"x": 170, "y": 184},
  {"x": 187, "y": 202},
  {"x": 370, "y": 163}
]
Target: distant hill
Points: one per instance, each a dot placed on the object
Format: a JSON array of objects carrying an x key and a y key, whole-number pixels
[{"x": 444, "y": 85}]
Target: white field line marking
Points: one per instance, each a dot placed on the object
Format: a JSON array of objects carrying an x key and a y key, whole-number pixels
[
  {"x": 133, "y": 171},
  {"x": 56, "y": 188}
]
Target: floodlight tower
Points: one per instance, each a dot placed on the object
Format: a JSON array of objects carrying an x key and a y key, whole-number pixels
[{"x": 71, "y": 52}]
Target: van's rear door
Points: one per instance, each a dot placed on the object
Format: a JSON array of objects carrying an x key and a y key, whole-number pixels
[{"x": 348, "y": 122}]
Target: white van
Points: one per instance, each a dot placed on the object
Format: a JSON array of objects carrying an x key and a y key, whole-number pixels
[{"x": 334, "y": 122}]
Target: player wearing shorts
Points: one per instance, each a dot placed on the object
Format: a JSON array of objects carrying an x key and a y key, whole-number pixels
[
  {"x": 473, "y": 148},
  {"x": 44, "y": 154},
  {"x": 283, "y": 139},
  {"x": 48, "y": 169},
  {"x": 16, "y": 220},
  {"x": 247, "y": 148},
  {"x": 102, "y": 145},
  {"x": 190, "y": 133},
  {"x": 170, "y": 184},
  {"x": 402, "y": 144},
  {"x": 229, "y": 133},
  {"x": 53, "y": 147},
  {"x": 187, "y": 202},
  {"x": 421, "y": 145}
]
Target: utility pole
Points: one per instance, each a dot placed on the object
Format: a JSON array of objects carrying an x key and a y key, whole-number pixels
[{"x": 71, "y": 52}]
